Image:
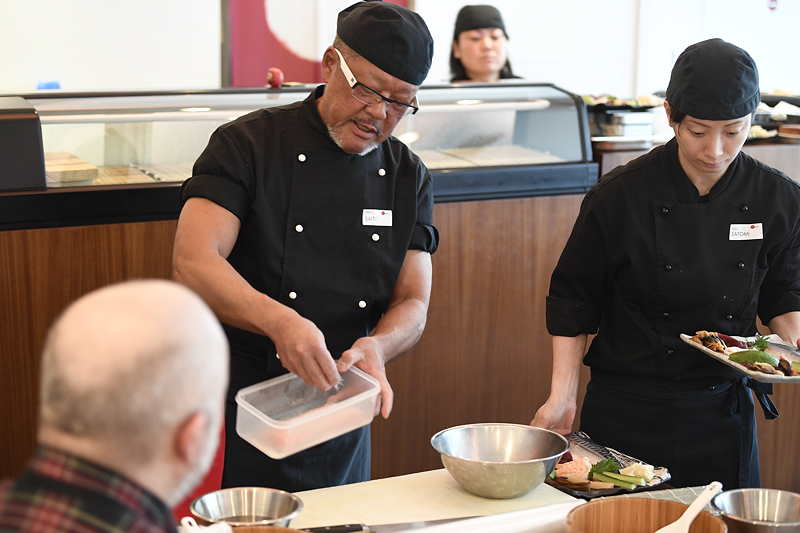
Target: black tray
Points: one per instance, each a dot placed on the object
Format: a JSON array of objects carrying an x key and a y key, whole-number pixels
[{"x": 584, "y": 443}]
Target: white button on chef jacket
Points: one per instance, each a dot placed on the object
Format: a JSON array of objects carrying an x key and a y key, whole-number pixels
[
  {"x": 292, "y": 295},
  {"x": 362, "y": 304},
  {"x": 298, "y": 228},
  {"x": 376, "y": 237},
  {"x": 381, "y": 172},
  {"x": 301, "y": 158}
]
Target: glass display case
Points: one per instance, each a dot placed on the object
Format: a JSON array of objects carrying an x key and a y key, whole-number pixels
[{"x": 479, "y": 140}]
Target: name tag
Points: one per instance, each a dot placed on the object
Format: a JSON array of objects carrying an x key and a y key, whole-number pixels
[
  {"x": 746, "y": 232},
  {"x": 376, "y": 217}
]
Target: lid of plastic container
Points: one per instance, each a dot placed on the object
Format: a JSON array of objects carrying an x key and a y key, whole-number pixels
[{"x": 287, "y": 399}]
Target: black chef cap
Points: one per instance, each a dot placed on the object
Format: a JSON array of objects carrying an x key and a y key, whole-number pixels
[
  {"x": 391, "y": 37},
  {"x": 714, "y": 80},
  {"x": 476, "y": 17}
]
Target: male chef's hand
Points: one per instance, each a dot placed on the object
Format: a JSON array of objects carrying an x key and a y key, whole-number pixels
[
  {"x": 366, "y": 354},
  {"x": 300, "y": 345},
  {"x": 556, "y": 416}
]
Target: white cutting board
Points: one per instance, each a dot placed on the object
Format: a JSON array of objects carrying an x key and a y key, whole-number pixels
[{"x": 430, "y": 495}]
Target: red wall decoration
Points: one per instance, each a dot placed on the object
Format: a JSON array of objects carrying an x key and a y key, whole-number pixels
[{"x": 254, "y": 47}]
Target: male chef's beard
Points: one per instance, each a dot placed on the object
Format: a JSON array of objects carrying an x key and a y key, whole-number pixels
[{"x": 338, "y": 140}]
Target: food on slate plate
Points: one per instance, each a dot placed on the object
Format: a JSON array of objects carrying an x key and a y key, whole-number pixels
[
  {"x": 754, "y": 356},
  {"x": 581, "y": 474}
]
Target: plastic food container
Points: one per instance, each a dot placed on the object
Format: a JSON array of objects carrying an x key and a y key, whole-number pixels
[{"x": 284, "y": 415}]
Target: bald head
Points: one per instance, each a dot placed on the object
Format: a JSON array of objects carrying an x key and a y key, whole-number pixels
[{"x": 124, "y": 364}]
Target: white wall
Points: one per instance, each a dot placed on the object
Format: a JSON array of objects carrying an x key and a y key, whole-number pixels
[
  {"x": 109, "y": 44},
  {"x": 623, "y": 47},
  {"x": 770, "y": 36},
  {"x": 627, "y": 47},
  {"x": 582, "y": 46}
]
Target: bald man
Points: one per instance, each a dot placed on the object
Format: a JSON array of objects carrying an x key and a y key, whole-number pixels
[{"x": 132, "y": 391}]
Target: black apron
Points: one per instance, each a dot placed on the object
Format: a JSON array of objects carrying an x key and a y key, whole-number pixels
[{"x": 700, "y": 433}]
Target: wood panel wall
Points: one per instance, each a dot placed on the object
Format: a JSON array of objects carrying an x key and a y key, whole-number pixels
[
  {"x": 485, "y": 355},
  {"x": 41, "y": 272}
]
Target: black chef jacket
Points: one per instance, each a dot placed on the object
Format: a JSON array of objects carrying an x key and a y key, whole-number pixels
[
  {"x": 649, "y": 259},
  {"x": 323, "y": 232}
]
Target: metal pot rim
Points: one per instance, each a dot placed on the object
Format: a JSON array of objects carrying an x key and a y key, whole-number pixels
[
  {"x": 484, "y": 424},
  {"x": 272, "y": 521},
  {"x": 748, "y": 520}
]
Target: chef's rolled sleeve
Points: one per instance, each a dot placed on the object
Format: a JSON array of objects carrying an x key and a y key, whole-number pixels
[
  {"x": 577, "y": 284},
  {"x": 222, "y": 175},
  {"x": 425, "y": 236},
  {"x": 780, "y": 291},
  {"x": 570, "y": 318}
]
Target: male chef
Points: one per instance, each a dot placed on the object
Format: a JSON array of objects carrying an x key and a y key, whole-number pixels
[{"x": 308, "y": 230}]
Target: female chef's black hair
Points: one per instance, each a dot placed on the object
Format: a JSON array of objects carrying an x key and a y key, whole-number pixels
[
  {"x": 676, "y": 115},
  {"x": 458, "y": 73}
]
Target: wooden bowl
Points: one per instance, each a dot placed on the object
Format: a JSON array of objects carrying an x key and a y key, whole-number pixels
[{"x": 635, "y": 515}]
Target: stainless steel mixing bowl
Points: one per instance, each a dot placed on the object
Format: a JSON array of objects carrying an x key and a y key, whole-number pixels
[
  {"x": 759, "y": 510},
  {"x": 247, "y": 506},
  {"x": 496, "y": 460}
]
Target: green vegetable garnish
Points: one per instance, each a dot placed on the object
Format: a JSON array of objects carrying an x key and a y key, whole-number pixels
[
  {"x": 753, "y": 356},
  {"x": 619, "y": 483},
  {"x": 638, "y": 481},
  {"x": 760, "y": 344},
  {"x": 606, "y": 465},
  {"x": 796, "y": 366}
]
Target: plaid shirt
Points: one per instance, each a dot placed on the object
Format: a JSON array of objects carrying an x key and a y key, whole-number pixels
[{"x": 60, "y": 493}]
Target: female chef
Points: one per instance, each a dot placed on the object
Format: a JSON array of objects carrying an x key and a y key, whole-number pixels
[
  {"x": 478, "y": 52},
  {"x": 694, "y": 235}
]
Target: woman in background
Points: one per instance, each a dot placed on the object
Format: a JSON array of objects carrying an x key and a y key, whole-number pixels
[{"x": 479, "y": 50}]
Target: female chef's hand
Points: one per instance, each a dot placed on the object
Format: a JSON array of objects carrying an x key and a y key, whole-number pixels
[
  {"x": 366, "y": 354},
  {"x": 787, "y": 326},
  {"x": 300, "y": 345},
  {"x": 555, "y": 415}
]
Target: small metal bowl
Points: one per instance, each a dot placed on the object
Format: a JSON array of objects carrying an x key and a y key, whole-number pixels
[
  {"x": 247, "y": 506},
  {"x": 759, "y": 510},
  {"x": 499, "y": 461}
]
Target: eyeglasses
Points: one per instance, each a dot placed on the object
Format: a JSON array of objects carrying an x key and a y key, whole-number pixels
[{"x": 369, "y": 96}]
